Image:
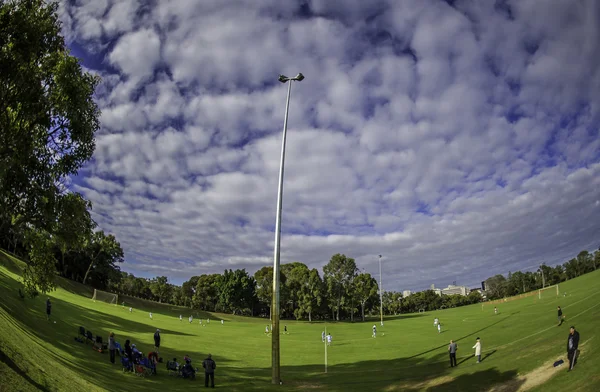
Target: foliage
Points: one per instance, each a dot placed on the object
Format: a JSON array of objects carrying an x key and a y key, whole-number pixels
[{"x": 40, "y": 270}]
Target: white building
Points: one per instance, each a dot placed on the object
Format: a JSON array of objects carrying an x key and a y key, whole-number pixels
[
  {"x": 452, "y": 290},
  {"x": 406, "y": 293}
]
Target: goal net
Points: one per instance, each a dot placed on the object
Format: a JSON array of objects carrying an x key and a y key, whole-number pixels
[
  {"x": 104, "y": 296},
  {"x": 421, "y": 310},
  {"x": 548, "y": 292}
]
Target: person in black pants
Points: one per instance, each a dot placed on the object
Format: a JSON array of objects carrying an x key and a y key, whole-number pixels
[
  {"x": 157, "y": 340},
  {"x": 48, "y": 309},
  {"x": 572, "y": 344},
  {"x": 452, "y": 351},
  {"x": 560, "y": 316},
  {"x": 111, "y": 346},
  {"x": 209, "y": 371},
  {"x": 129, "y": 353}
]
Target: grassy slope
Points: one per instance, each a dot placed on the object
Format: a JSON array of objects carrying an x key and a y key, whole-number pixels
[{"x": 37, "y": 354}]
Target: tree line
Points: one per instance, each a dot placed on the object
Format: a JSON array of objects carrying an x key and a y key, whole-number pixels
[
  {"x": 519, "y": 282},
  {"x": 48, "y": 122}
]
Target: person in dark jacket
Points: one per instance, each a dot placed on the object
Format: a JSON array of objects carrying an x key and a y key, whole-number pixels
[
  {"x": 129, "y": 352},
  {"x": 560, "y": 316},
  {"x": 157, "y": 340},
  {"x": 209, "y": 371},
  {"x": 452, "y": 347},
  {"x": 48, "y": 309},
  {"x": 111, "y": 347},
  {"x": 572, "y": 344}
]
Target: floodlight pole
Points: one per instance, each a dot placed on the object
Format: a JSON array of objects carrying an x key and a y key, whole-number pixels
[
  {"x": 380, "y": 292},
  {"x": 275, "y": 348}
]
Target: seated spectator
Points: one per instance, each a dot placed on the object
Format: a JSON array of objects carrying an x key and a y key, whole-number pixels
[{"x": 153, "y": 358}]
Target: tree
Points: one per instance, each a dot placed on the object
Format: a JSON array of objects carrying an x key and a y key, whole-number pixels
[
  {"x": 188, "y": 288},
  {"x": 206, "y": 295},
  {"x": 48, "y": 117},
  {"x": 338, "y": 274},
  {"x": 366, "y": 289},
  {"x": 311, "y": 295},
  {"x": 160, "y": 288},
  {"x": 47, "y": 124},
  {"x": 103, "y": 247},
  {"x": 495, "y": 287},
  {"x": 73, "y": 224},
  {"x": 40, "y": 269},
  {"x": 236, "y": 291}
]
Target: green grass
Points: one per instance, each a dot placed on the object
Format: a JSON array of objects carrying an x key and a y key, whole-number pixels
[{"x": 519, "y": 345}]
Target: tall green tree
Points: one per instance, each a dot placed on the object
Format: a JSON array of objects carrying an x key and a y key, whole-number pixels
[
  {"x": 48, "y": 120},
  {"x": 495, "y": 287},
  {"x": 311, "y": 295},
  {"x": 366, "y": 289},
  {"x": 338, "y": 274},
  {"x": 102, "y": 247},
  {"x": 206, "y": 294},
  {"x": 40, "y": 269},
  {"x": 160, "y": 288}
]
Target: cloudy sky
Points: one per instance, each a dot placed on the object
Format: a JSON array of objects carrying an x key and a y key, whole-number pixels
[{"x": 458, "y": 139}]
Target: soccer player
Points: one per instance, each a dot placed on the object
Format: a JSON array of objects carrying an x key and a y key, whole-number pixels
[
  {"x": 329, "y": 339},
  {"x": 221, "y": 322},
  {"x": 180, "y": 318},
  {"x": 285, "y": 329},
  {"x": 207, "y": 321},
  {"x": 435, "y": 322},
  {"x": 48, "y": 308},
  {"x": 374, "y": 331},
  {"x": 495, "y": 310},
  {"x": 439, "y": 327},
  {"x": 560, "y": 316},
  {"x": 190, "y": 318},
  {"x": 477, "y": 348},
  {"x": 323, "y": 336},
  {"x": 267, "y": 329},
  {"x": 150, "y": 315},
  {"x": 130, "y": 309}
]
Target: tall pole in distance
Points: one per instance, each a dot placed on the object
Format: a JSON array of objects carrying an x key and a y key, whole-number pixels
[
  {"x": 380, "y": 293},
  {"x": 275, "y": 348}
]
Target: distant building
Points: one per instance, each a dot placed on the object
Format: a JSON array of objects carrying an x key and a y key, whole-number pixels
[
  {"x": 453, "y": 290},
  {"x": 437, "y": 291},
  {"x": 406, "y": 293}
]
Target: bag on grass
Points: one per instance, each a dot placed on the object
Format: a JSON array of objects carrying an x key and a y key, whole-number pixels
[{"x": 558, "y": 363}]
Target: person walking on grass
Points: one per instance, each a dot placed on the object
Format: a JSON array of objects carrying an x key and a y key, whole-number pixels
[
  {"x": 48, "y": 308},
  {"x": 157, "y": 340},
  {"x": 572, "y": 345},
  {"x": 560, "y": 316},
  {"x": 111, "y": 347},
  {"x": 452, "y": 351},
  {"x": 477, "y": 348},
  {"x": 209, "y": 371}
]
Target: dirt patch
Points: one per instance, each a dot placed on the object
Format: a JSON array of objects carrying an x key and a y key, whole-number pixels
[
  {"x": 408, "y": 386},
  {"x": 534, "y": 378}
]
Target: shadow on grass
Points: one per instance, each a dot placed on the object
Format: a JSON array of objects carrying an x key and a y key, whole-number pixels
[
  {"x": 11, "y": 364},
  {"x": 481, "y": 381}
]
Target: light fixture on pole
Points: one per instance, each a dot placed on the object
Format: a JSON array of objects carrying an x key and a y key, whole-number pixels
[
  {"x": 275, "y": 351},
  {"x": 380, "y": 293}
]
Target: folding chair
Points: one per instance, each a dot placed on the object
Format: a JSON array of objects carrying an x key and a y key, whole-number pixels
[
  {"x": 82, "y": 332},
  {"x": 89, "y": 337}
]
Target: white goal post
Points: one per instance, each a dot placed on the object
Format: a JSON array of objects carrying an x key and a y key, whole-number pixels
[
  {"x": 105, "y": 296},
  {"x": 421, "y": 310},
  {"x": 546, "y": 289}
]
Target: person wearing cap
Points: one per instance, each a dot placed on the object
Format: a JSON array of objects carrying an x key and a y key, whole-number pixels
[
  {"x": 477, "y": 348},
  {"x": 209, "y": 371},
  {"x": 572, "y": 345},
  {"x": 157, "y": 340}
]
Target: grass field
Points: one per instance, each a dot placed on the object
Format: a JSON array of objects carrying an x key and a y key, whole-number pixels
[{"x": 519, "y": 345}]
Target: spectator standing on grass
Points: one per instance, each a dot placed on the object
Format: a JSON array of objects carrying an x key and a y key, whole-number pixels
[
  {"x": 209, "y": 371},
  {"x": 157, "y": 340},
  {"x": 560, "y": 316},
  {"x": 111, "y": 347},
  {"x": 129, "y": 353},
  {"x": 572, "y": 345},
  {"x": 477, "y": 348},
  {"x": 452, "y": 351},
  {"x": 48, "y": 308}
]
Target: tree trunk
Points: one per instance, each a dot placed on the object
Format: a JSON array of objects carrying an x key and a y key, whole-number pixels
[
  {"x": 309, "y": 317},
  {"x": 362, "y": 305},
  {"x": 87, "y": 272}
]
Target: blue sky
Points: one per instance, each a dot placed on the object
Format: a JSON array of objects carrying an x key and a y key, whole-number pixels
[{"x": 458, "y": 139}]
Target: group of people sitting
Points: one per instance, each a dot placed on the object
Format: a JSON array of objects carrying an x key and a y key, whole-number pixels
[{"x": 134, "y": 360}]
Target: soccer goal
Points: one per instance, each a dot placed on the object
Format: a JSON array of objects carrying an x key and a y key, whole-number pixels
[
  {"x": 421, "y": 310},
  {"x": 548, "y": 291},
  {"x": 104, "y": 296}
]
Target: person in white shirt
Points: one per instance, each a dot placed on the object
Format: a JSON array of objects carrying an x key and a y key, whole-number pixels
[
  {"x": 374, "y": 331},
  {"x": 439, "y": 327},
  {"x": 130, "y": 309},
  {"x": 150, "y": 315},
  {"x": 435, "y": 321},
  {"x": 221, "y": 322},
  {"x": 267, "y": 329},
  {"x": 180, "y": 318},
  {"x": 495, "y": 310},
  {"x": 477, "y": 348},
  {"x": 323, "y": 336},
  {"x": 190, "y": 319},
  {"x": 329, "y": 339}
]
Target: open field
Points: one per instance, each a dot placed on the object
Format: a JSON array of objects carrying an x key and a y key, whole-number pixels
[{"x": 519, "y": 345}]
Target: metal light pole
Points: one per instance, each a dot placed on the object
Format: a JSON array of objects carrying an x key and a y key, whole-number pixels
[
  {"x": 380, "y": 292},
  {"x": 275, "y": 352}
]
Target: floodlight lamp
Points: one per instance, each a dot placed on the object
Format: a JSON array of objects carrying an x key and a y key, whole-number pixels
[
  {"x": 283, "y": 78},
  {"x": 299, "y": 77}
]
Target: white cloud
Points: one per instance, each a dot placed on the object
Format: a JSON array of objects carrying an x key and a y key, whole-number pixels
[{"x": 457, "y": 142}]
